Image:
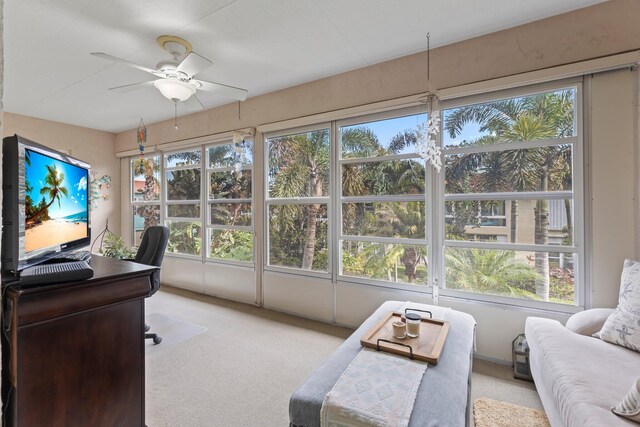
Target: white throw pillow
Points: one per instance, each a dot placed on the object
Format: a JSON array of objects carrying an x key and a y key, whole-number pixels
[
  {"x": 629, "y": 297},
  {"x": 622, "y": 328},
  {"x": 630, "y": 405},
  {"x": 623, "y": 325}
]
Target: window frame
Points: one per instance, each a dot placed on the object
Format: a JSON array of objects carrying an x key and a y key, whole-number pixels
[
  {"x": 577, "y": 195},
  {"x": 324, "y": 200},
  {"x": 166, "y": 202},
  {"x": 134, "y": 203},
  {"x": 339, "y": 237},
  {"x": 208, "y": 202}
]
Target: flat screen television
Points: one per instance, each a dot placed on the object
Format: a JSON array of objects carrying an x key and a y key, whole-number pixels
[{"x": 45, "y": 203}]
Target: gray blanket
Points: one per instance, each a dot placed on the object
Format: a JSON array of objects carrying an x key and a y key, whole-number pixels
[{"x": 444, "y": 396}]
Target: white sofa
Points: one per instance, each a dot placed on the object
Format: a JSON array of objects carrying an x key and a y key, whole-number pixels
[{"x": 578, "y": 377}]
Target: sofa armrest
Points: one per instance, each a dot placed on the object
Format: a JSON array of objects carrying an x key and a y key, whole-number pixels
[{"x": 588, "y": 322}]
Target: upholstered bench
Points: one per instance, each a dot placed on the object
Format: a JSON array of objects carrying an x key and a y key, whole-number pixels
[{"x": 444, "y": 395}]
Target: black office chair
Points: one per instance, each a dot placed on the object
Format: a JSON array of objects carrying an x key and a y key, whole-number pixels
[{"x": 151, "y": 252}]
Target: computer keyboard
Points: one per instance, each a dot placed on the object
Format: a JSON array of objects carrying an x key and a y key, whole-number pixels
[
  {"x": 73, "y": 256},
  {"x": 55, "y": 273}
]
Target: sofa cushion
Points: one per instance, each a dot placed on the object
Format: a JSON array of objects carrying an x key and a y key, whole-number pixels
[
  {"x": 623, "y": 325},
  {"x": 630, "y": 405},
  {"x": 629, "y": 297},
  {"x": 582, "y": 378},
  {"x": 588, "y": 322},
  {"x": 622, "y": 328}
]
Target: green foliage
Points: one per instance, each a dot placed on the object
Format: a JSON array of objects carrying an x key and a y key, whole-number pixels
[
  {"x": 184, "y": 238},
  {"x": 232, "y": 245},
  {"x": 113, "y": 246},
  {"x": 495, "y": 272}
]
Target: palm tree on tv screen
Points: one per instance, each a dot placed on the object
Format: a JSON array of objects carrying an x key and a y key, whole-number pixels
[{"x": 53, "y": 189}]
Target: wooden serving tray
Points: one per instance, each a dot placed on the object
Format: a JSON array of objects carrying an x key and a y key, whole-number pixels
[{"x": 427, "y": 347}]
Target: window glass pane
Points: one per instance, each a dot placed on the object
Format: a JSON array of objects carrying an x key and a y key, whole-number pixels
[
  {"x": 379, "y": 138},
  {"x": 183, "y": 211},
  {"x": 231, "y": 214},
  {"x": 401, "y": 219},
  {"x": 183, "y": 184},
  {"x": 385, "y": 261},
  {"x": 383, "y": 178},
  {"x": 144, "y": 217},
  {"x": 298, "y": 236},
  {"x": 299, "y": 165},
  {"x": 512, "y": 221},
  {"x": 231, "y": 245},
  {"x": 146, "y": 179},
  {"x": 228, "y": 155},
  {"x": 534, "y": 169},
  {"x": 184, "y": 237},
  {"x": 230, "y": 185},
  {"x": 540, "y": 116},
  {"x": 540, "y": 276},
  {"x": 183, "y": 158}
]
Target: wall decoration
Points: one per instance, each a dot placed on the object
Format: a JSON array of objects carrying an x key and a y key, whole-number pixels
[{"x": 99, "y": 189}]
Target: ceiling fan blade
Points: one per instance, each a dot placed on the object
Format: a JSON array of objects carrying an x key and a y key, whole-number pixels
[
  {"x": 133, "y": 86},
  {"x": 193, "y": 104},
  {"x": 193, "y": 63},
  {"x": 124, "y": 62},
  {"x": 224, "y": 90}
]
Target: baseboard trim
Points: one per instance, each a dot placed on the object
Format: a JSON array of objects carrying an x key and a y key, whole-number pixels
[{"x": 492, "y": 359}]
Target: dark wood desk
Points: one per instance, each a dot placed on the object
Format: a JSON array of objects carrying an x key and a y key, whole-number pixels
[{"x": 73, "y": 353}]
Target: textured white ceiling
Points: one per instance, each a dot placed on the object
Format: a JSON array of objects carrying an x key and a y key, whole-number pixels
[{"x": 260, "y": 45}]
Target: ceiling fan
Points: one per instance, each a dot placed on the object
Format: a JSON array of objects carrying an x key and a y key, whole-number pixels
[{"x": 176, "y": 76}]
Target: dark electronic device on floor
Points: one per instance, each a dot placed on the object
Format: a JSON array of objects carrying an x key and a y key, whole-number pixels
[
  {"x": 521, "y": 368},
  {"x": 45, "y": 211}
]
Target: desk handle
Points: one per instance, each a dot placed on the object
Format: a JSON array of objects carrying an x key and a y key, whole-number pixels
[
  {"x": 415, "y": 309},
  {"x": 396, "y": 343}
]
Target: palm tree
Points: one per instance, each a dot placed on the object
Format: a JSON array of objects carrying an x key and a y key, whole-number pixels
[
  {"x": 53, "y": 190},
  {"x": 548, "y": 115},
  {"x": 406, "y": 220},
  {"x": 299, "y": 167},
  {"x": 488, "y": 271}
]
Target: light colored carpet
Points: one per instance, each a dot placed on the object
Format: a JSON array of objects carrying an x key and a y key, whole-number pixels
[
  {"x": 493, "y": 413},
  {"x": 243, "y": 369},
  {"x": 171, "y": 329}
]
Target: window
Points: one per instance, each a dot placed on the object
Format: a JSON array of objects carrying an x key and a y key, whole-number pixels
[
  {"x": 297, "y": 202},
  {"x": 145, "y": 194},
  {"x": 382, "y": 184},
  {"x": 182, "y": 179},
  {"x": 513, "y": 165},
  {"x": 229, "y": 202}
]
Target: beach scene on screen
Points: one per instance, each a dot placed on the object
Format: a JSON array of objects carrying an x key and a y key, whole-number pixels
[{"x": 55, "y": 202}]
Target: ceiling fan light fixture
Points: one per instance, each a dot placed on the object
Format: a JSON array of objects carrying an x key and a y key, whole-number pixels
[{"x": 174, "y": 89}]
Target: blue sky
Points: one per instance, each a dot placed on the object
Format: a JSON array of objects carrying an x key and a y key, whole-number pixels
[
  {"x": 387, "y": 129},
  {"x": 75, "y": 180}
]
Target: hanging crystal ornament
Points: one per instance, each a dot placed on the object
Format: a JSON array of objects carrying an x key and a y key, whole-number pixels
[
  {"x": 427, "y": 135},
  {"x": 239, "y": 151}
]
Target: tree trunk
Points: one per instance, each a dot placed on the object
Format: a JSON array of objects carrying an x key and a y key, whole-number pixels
[
  {"x": 567, "y": 207},
  {"x": 514, "y": 221},
  {"x": 542, "y": 238},
  {"x": 312, "y": 221},
  {"x": 410, "y": 261},
  {"x": 41, "y": 211},
  {"x": 310, "y": 239}
]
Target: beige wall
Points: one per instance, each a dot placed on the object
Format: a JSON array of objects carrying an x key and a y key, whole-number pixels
[
  {"x": 611, "y": 175},
  {"x": 92, "y": 146},
  {"x": 600, "y": 30}
]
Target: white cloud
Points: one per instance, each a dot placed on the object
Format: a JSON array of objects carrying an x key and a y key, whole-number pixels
[{"x": 82, "y": 185}]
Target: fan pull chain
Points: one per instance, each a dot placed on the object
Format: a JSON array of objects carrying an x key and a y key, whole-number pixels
[{"x": 175, "y": 115}]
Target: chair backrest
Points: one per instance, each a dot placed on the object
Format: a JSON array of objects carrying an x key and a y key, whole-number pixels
[{"x": 151, "y": 251}]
